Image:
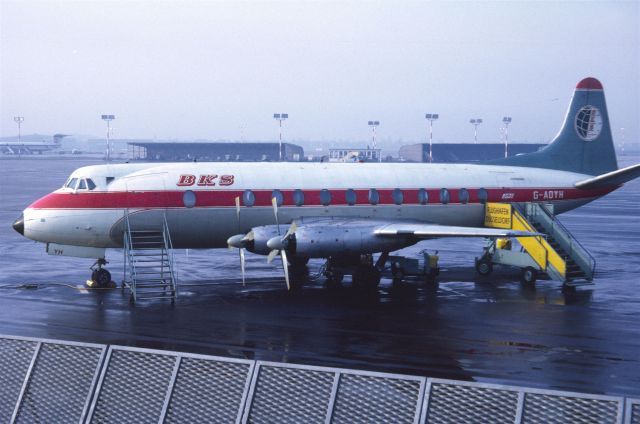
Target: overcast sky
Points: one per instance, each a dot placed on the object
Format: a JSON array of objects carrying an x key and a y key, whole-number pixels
[{"x": 219, "y": 70}]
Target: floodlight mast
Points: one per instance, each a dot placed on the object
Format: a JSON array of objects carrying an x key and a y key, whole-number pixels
[
  {"x": 475, "y": 122},
  {"x": 506, "y": 120},
  {"x": 373, "y": 125},
  {"x": 108, "y": 119},
  {"x": 280, "y": 117},
  {"x": 431, "y": 117},
  {"x": 19, "y": 120}
]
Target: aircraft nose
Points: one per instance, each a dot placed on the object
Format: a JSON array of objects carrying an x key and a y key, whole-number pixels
[{"x": 18, "y": 224}]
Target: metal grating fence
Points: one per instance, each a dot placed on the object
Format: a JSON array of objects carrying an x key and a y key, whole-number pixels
[
  {"x": 47, "y": 380},
  {"x": 545, "y": 408},
  {"x": 632, "y": 415},
  {"x": 56, "y": 381},
  {"x": 465, "y": 403}
]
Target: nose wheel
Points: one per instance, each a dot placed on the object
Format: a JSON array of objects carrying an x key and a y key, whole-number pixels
[{"x": 100, "y": 277}]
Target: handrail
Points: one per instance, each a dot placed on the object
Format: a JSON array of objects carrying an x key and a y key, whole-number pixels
[
  {"x": 169, "y": 245},
  {"x": 564, "y": 229},
  {"x": 128, "y": 248}
]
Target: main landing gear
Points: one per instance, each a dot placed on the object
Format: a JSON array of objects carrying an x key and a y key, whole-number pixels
[
  {"x": 100, "y": 277},
  {"x": 298, "y": 271},
  {"x": 364, "y": 273}
]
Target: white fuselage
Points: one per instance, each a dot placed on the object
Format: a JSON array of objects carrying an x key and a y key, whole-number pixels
[{"x": 198, "y": 199}]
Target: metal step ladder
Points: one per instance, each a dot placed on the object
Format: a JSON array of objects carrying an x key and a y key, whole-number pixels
[
  {"x": 149, "y": 265},
  {"x": 580, "y": 266},
  {"x": 558, "y": 254}
]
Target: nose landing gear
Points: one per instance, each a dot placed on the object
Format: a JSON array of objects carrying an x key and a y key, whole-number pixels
[{"x": 100, "y": 277}]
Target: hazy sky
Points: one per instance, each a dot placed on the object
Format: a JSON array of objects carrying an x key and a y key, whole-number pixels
[{"x": 219, "y": 70}]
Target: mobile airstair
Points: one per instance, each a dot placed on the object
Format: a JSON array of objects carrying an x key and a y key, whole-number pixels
[
  {"x": 149, "y": 264},
  {"x": 557, "y": 253}
]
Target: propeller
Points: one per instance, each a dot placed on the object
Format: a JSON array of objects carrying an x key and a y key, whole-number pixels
[
  {"x": 239, "y": 241},
  {"x": 279, "y": 244}
]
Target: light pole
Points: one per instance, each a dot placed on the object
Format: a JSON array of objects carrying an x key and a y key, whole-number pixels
[
  {"x": 280, "y": 117},
  {"x": 431, "y": 117},
  {"x": 19, "y": 120},
  {"x": 108, "y": 119},
  {"x": 506, "y": 121},
  {"x": 373, "y": 125},
  {"x": 475, "y": 123}
]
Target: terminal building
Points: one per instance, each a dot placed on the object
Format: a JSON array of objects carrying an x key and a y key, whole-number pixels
[
  {"x": 214, "y": 151},
  {"x": 463, "y": 152}
]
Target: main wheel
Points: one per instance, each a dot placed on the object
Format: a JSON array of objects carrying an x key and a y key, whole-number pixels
[
  {"x": 101, "y": 277},
  {"x": 529, "y": 275},
  {"x": 334, "y": 277},
  {"x": 397, "y": 274},
  {"x": 484, "y": 267},
  {"x": 366, "y": 277},
  {"x": 298, "y": 261}
]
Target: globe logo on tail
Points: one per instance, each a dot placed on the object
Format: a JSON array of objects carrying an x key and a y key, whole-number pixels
[{"x": 588, "y": 123}]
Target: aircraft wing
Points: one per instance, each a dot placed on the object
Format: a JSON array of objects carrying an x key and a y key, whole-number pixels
[
  {"x": 417, "y": 229},
  {"x": 426, "y": 231}
]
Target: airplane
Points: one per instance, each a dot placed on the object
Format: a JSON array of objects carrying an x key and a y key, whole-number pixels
[{"x": 342, "y": 212}]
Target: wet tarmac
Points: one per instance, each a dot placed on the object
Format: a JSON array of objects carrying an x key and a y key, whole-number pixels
[{"x": 490, "y": 330}]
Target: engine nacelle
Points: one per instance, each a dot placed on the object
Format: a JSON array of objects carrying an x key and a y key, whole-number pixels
[
  {"x": 259, "y": 236},
  {"x": 323, "y": 242}
]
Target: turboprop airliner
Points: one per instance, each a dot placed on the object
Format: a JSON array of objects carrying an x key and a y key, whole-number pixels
[{"x": 343, "y": 212}]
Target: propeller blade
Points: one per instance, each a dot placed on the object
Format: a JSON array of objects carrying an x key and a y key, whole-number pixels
[
  {"x": 272, "y": 255},
  {"x": 274, "y": 202},
  {"x": 285, "y": 266},
  {"x": 238, "y": 210},
  {"x": 292, "y": 229},
  {"x": 242, "y": 264}
]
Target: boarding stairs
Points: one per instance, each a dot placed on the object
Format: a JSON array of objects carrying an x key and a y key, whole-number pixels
[
  {"x": 558, "y": 253},
  {"x": 149, "y": 264}
]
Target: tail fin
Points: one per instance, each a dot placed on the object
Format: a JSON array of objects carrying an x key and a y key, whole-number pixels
[{"x": 584, "y": 144}]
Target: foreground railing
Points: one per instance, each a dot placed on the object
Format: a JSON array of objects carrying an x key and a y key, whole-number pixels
[{"x": 59, "y": 381}]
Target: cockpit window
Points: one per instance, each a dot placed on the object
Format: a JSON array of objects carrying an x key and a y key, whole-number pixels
[
  {"x": 71, "y": 183},
  {"x": 90, "y": 184},
  {"x": 82, "y": 185}
]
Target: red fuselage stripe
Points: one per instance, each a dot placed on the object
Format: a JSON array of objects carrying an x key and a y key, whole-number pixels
[{"x": 226, "y": 198}]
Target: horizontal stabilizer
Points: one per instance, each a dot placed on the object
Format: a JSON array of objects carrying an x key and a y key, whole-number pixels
[
  {"x": 420, "y": 230},
  {"x": 612, "y": 178}
]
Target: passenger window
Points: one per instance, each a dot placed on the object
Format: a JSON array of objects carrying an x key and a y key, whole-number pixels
[
  {"x": 72, "y": 183},
  {"x": 277, "y": 194},
  {"x": 374, "y": 196},
  {"x": 483, "y": 196},
  {"x": 325, "y": 197},
  {"x": 444, "y": 196},
  {"x": 350, "y": 197},
  {"x": 82, "y": 185},
  {"x": 298, "y": 197},
  {"x": 189, "y": 199},
  {"x": 423, "y": 196},
  {"x": 464, "y": 196},
  {"x": 398, "y": 197},
  {"x": 248, "y": 198}
]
